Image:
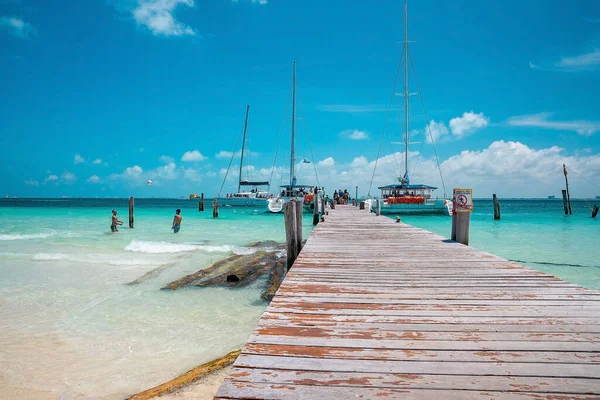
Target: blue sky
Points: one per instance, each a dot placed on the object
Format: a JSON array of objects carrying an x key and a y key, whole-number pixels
[{"x": 100, "y": 96}]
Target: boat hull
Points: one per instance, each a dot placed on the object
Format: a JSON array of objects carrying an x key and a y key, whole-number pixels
[
  {"x": 275, "y": 205},
  {"x": 438, "y": 206},
  {"x": 241, "y": 202}
]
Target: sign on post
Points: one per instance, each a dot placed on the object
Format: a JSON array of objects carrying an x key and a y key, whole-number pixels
[{"x": 463, "y": 200}]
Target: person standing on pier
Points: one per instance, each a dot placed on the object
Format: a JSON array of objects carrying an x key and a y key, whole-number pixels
[{"x": 177, "y": 221}]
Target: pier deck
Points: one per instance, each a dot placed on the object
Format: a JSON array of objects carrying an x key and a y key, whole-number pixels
[{"x": 376, "y": 309}]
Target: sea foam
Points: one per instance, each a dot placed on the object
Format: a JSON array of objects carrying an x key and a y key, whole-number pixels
[
  {"x": 19, "y": 236},
  {"x": 143, "y": 246}
]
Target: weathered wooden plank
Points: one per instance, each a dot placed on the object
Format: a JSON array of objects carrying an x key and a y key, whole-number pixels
[
  {"x": 350, "y": 353},
  {"x": 380, "y": 332},
  {"x": 242, "y": 390},
  {"x": 445, "y": 320},
  {"x": 415, "y": 381}
]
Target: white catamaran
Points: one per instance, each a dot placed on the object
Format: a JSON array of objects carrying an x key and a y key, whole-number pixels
[
  {"x": 293, "y": 190},
  {"x": 254, "y": 197},
  {"x": 404, "y": 197}
]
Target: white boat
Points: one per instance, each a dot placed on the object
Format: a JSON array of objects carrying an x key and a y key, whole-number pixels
[
  {"x": 404, "y": 197},
  {"x": 254, "y": 197},
  {"x": 293, "y": 191}
]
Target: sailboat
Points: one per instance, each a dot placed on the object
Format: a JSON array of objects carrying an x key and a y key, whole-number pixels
[
  {"x": 405, "y": 197},
  {"x": 254, "y": 197},
  {"x": 299, "y": 192}
]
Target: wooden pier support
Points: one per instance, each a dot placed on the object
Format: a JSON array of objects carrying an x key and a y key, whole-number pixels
[
  {"x": 215, "y": 205},
  {"x": 201, "y": 203},
  {"x": 131, "y": 207},
  {"x": 565, "y": 202},
  {"x": 298, "y": 227},
  {"x": 291, "y": 232},
  {"x": 567, "y": 198},
  {"x": 496, "y": 207},
  {"x": 378, "y": 205},
  {"x": 362, "y": 205},
  {"x": 316, "y": 208},
  {"x": 594, "y": 211},
  {"x": 460, "y": 227}
]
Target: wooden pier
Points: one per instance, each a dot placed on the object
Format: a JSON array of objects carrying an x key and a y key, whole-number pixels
[{"x": 378, "y": 309}]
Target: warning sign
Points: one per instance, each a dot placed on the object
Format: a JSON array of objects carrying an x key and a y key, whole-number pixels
[{"x": 463, "y": 200}]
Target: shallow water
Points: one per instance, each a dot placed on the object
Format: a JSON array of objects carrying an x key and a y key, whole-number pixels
[{"x": 73, "y": 327}]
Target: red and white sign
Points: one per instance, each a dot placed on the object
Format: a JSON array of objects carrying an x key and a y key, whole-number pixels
[{"x": 463, "y": 200}]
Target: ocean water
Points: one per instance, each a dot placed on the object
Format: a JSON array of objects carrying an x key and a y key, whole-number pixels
[{"x": 73, "y": 327}]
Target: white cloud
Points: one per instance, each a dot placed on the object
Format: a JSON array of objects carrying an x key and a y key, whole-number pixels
[
  {"x": 354, "y": 134},
  {"x": 157, "y": 15},
  {"x": 435, "y": 130},
  {"x": 167, "y": 172},
  {"x": 93, "y": 179},
  {"x": 97, "y": 161},
  {"x": 359, "y": 162},
  {"x": 193, "y": 155},
  {"x": 328, "y": 162},
  {"x": 261, "y": 2},
  {"x": 211, "y": 174},
  {"x": 32, "y": 182},
  {"x": 78, "y": 159},
  {"x": 584, "y": 128},
  {"x": 51, "y": 178},
  {"x": 192, "y": 175},
  {"x": 468, "y": 123},
  {"x": 582, "y": 61},
  {"x": 68, "y": 178},
  {"x": 17, "y": 27},
  {"x": 131, "y": 173},
  {"x": 223, "y": 154},
  {"x": 166, "y": 159}
]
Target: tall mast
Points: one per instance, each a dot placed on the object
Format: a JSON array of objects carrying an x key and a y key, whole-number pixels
[
  {"x": 292, "y": 155},
  {"x": 243, "y": 143},
  {"x": 405, "y": 89}
]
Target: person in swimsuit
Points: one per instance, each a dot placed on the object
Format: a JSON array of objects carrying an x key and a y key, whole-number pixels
[
  {"x": 177, "y": 221},
  {"x": 114, "y": 222}
]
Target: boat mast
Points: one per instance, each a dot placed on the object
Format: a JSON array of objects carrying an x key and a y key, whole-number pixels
[
  {"x": 405, "y": 90},
  {"x": 243, "y": 143},
  {"x": 292, "y": 155}
]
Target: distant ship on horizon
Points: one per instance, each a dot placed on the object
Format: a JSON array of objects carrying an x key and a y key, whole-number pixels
[{"x": 551, "y": 197}]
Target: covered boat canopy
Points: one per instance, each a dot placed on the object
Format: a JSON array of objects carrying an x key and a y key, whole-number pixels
[
  {"x": 297, "y": 186},
  {"x": 407, "y": 187},
  {"x": 253, "y": 183}
]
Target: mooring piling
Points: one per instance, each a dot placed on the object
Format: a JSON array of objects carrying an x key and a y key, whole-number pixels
[
  {"x": 496, "y": 207},
  {"x": 131, "y": 208},
  {"x": 201, "y": 203}
]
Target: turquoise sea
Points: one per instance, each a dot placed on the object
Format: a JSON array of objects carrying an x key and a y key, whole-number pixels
[{"x": 72, "y": 327}]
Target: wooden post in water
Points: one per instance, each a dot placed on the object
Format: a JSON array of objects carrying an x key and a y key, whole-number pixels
[
  {"x": 316, "y": 208},
  {"x": 496, "y": 207},
  {"x": 215, "y": 205},
  {"x": 289, "y": 216},
  {"x": 131, "y": 212},
  {"x": 568, "y": 195},
  {"x": 378, "y": 205},
  {"x": 594, "y": 211},
  {"x": 565, "y": 204},
  {"x": 201, "y": 204},
  {"x": 298, "y": 214}
]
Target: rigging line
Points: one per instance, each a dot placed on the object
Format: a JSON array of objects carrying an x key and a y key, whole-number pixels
[
  {"x": 230, "y": 161},
  {"x": 437, "y": 160},
  {"x": 418, "y": 155},
  {"x": 579, "y": 175},
  {"x": 307, "y": 136},
  {"x": 387, "y": 114},
  {"x": 287, "y": 104}
]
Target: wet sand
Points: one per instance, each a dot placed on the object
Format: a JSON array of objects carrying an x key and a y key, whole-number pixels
[{"x": 204, "y": 388}]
